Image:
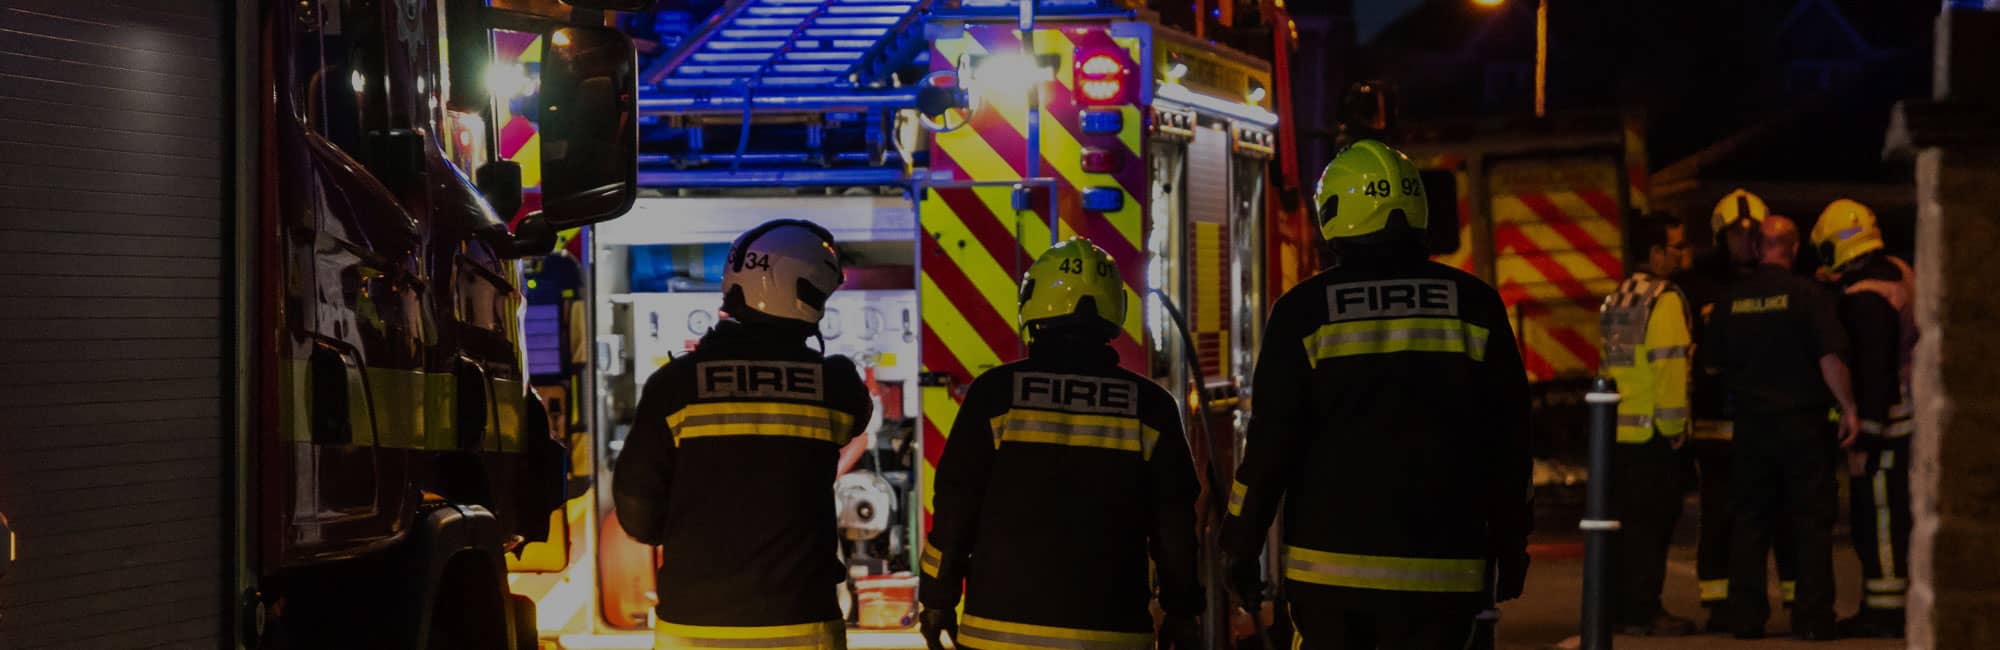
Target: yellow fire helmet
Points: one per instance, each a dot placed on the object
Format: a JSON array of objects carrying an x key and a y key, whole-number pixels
[
  {"x": 1364, "y": 186},
  {"x": 1846, "y": 230},
  {"x": 1073, "y": 283},
  {"x": 1734, "y": 207}
]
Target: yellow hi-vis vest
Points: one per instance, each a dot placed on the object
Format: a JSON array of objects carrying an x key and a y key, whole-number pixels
[{"x": 1645, "y": 327}]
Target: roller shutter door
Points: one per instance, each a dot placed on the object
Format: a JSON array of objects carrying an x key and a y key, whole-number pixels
[{"x": 114, "y": 217}]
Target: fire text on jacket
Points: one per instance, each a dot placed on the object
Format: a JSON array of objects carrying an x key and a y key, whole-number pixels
[
  {"x": 1391, "y": 299},
  {"x": 758, "y": 379},
  {"x": 1075, "y": 393}
]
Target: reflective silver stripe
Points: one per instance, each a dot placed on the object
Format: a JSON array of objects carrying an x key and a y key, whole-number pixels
[
  {"x": 1403, "y": 334},
  {"x": 1888, "y": 585},
  {"x": 1884, "y": 602},
  {"x": 1384, "y": 572},
  {"x": 757, "y": 418},
  {"x": 1900, "y": 428},
  {"x": 973, "y": 630},
  {"x": 1675, "y": 352},
  {"x": 1128, "y": 430},
  {"x": 1679, "y": 413},
  {"x": 1635, "y": 420}
]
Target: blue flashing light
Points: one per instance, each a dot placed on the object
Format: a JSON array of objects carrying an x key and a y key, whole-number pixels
[
  {"x": 1097, "y": 122},
  {"x": 1103, "y": 199}
]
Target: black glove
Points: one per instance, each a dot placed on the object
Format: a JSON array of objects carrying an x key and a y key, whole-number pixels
[
  {"x": 1180, "y": 633},
  {"x": 1513, "y": 576},
  {"x": 1246, "y": 580},
  {"x": 935, "y": 623}
]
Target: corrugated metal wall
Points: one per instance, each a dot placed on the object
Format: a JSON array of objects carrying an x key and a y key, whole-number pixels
[{"x": 114, "y": 213}]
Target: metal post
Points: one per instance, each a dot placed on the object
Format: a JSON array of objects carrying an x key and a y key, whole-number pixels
[{"x": 1597, "y": 524}]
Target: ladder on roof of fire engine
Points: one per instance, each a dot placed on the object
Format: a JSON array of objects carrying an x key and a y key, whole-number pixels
[{"x": 792, "y": 44}]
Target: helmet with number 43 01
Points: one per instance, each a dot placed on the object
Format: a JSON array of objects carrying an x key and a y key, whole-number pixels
[
  {"x": 1073, "y": 284},
  {"x": 1370, "y": 188}
]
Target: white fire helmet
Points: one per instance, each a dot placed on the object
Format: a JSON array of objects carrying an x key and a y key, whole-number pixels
[{"x": 785, "y": 268}]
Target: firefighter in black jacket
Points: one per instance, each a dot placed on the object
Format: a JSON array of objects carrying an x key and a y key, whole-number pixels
[
  {"x": 1876, "y": 292},
  {"x": 1391, "y": 421},
  {"x": 730, "y": 463},
  {"x": 1061, "y": 472}
]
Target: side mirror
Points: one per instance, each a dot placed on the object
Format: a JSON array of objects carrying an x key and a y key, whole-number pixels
[
  {"x": 612, "y": 5},
  {"x": 500, "y": 181},
  {"x": 1441, "y": 193},
  {"x": 469, "y": 52},
  {"x": 589, "y": 125}
]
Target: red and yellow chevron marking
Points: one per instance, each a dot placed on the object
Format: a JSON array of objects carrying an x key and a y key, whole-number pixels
[
  {"x": 975, "y": 245},
  {"x": 1556, "y": 238}
]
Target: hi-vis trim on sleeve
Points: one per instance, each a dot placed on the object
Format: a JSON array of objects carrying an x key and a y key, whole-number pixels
[
  {"x": 989, "y": 634},
  {"x": 1675, "y": 352},
  {"x": 1356, "y": 338},
  {"x": 1385, "y": 573},
  {"x": 931, "y": 560},
  {"x": 1073, "y": 430},
  {"x": 781, "y": 419},
  {"x": 1237, "y": 491},
  {"x": 828, "y": 635}
]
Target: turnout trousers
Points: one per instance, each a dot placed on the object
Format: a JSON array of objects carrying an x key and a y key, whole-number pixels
[
  {"x": 1711, "y": 460},
  {"x": 1782, "y": 470},
  {"x": 1646, "y": 495},
  {"x": 1323, "y": 627},
  {"x": 1880, "y": 516}
]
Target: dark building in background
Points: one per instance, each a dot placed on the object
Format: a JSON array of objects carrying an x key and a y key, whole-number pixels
[{"x": 1787, "y": 97}]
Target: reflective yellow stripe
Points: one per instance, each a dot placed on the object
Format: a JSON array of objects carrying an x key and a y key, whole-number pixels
[
  {"x": 1714, "y": 590},
  {"x": 1888, "y": 586},
  {"x": 1789, "y": 589},
  {"x": 828, "y": 635},
  {"x": 1884, "y": 602},
  {"x": 1635, "y": 428},
  {"x": 1714, "y": 430},
  {"x": 1072, "y": 430},
  {"x": 987, "y": 633},
  {"x": 1237, "y": 490},
  {"x": 783, "y": 419},
  {"x": 1385, "y": 573},
  {"x": 1900, "y": 428},
  {"x": 932, "y": 559},
  {"x": 1356, "y": 338}
]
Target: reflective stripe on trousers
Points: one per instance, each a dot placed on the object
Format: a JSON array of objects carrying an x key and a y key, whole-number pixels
[
  {"x": 1237, "y": 492},
  {"x": 827, "y": 635},
  {"x": 1714, "y": 591},
  {"x": 1386, "y": 573},
  {"x": 977, "y": 632}
]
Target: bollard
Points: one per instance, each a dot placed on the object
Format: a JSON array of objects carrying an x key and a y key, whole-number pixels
[{"x": 1597, "y": 524}]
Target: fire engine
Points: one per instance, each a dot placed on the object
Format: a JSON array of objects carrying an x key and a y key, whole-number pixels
[
  {"x": 355, "y": 376},
  {"x": 944, "y": 144}
]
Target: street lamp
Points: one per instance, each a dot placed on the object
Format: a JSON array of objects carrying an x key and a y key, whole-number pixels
[{"x": 1541, "y": 51}]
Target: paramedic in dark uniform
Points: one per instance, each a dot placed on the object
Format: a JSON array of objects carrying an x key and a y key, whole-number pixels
[
  {"x": 1390, "y": 427},
  {"x": 1064, "y": 473},
  {"x": 1875, "y": 304},
  {"x": 1733, "y": 225},
  {"x": 730, "y": 464},
  {"x": 1778, "y": 345}
]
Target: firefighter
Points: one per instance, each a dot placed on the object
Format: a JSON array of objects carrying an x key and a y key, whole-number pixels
[
  {"x": 1061, "y": 477},
  {"x": 1063, "y": 473},
  {"x": 1734, "y": 225},
  {"x": 1778, "y": 345},
  {"x": 1645, "y": 327},
  {"x": 1391, "y": 424},
  {"x": 730, "y": 461},
  {"x": 1877, "y": 290}
]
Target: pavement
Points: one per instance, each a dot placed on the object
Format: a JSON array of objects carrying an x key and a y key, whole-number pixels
[{"x": 1549, "y": 611}]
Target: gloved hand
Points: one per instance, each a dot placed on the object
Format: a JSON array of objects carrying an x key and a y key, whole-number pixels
[
  {"x": 1246, "y": 580},
  {"x": 935, "y": 623},
  {"x": 1180, "y": 633},
  {"x": 1513, "y": 576}
]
